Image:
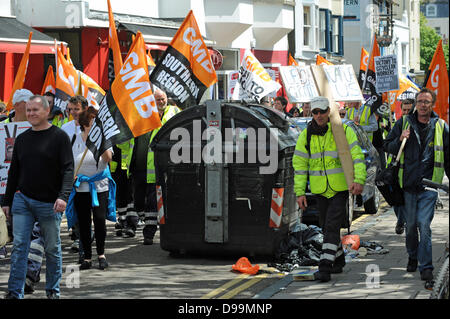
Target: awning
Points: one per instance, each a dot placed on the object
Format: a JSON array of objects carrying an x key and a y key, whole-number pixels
[
  {"x": 14, "y": 38},
  {"x": 155, "y": 33},
  {"x": 151, "y": 33}
]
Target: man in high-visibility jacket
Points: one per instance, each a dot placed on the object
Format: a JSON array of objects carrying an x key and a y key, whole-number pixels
[
  {"x": 142, "y": 170},
  {"x": 363, "y": 116},
  {"x": 55, "y": 117},
  {"x": 318, "y": 161},
  {"x": 425, "y": 155}
]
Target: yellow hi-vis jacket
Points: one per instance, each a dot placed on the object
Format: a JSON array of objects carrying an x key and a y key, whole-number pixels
[
  {"x": 124, "y": 150},
  {"x": 438, "y": 145},
  {"x": 169, "y": 111},
  {"x": 364, "y": 118},
  {"x": 323, "y": 166}
]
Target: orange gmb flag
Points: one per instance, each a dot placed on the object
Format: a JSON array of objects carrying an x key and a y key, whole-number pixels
[
  {"x": 19, "y": 80},
  {"x": 185, "y": 70},
  {"x": 66, "y": 81},
  {"x": 438, "y": 82},
  {"x": 363, "y": 64},
  {"x": 321, "y": 60},
  {"x": 49, "y": 82},
  {"x": 91, "y": 90},
  {"x": 129, "y": 109},
  {"x": 292, "y": 61},
  {"x": 115, "y": 55},
  {"x": 375, "y": 52}
]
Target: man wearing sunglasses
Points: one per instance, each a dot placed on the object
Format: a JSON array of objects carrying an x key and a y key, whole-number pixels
[{"x": 318, "y": 161}]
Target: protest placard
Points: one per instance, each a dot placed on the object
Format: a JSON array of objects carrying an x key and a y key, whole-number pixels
[
  {"x": 299, "y": 83},
  {"x": 254, "y": 80},
  {"x": 342, "y": 82},
  {"x": 386, "y": 73},
  {"x": 8, "y": 135}
]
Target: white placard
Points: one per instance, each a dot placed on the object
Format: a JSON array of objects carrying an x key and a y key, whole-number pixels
[
  {"x": 342, "y": 81},
  {"x": 8, "y": 134},
  {"x": 254, "y": 81},
  {"x": 298, "y": 83}
]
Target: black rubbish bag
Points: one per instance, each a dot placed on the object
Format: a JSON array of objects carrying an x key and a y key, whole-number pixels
[{"x": 388, "y": 185}]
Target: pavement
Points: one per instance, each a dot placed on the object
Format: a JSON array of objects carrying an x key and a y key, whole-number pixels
[{"x": 374, "y": 276}]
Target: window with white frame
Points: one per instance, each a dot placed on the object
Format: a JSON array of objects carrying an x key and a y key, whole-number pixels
[
  {"x": 316, "y": 28},
  {"x": 335, "y": 34},
  {"x": 431, "y": 10},
  {"x": 307, "y": 26},
  {"x": 322, "y": 29}
]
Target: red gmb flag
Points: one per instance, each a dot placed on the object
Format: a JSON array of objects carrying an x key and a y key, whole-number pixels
[
  {"x": 437, "y": 80},
  {"x": 185, "y": 70},
  {"x": 19, "y": 80},
  {"x": 129, "y": 109}
]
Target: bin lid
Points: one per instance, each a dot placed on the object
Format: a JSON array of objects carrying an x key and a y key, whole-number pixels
[{"x": 249, "y": 114}]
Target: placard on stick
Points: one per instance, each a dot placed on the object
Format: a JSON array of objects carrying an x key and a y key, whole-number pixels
[
  {"x": 386, "y": 73},
  {"x": 342, "y": 82},
  {"x": 299, "y": 83}
]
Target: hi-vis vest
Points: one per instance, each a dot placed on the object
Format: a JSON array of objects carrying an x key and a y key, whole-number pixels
[
  {"x": 363, "y": 119},
  {"x": 59, "y": 120},
  {"x": 124, "y": 150},
  {"x": 438, "y": 169},
  {"x": 323, "y": 165},
  {"x": 169, "y": 111}
]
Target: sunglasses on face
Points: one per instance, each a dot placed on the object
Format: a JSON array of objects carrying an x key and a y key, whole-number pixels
[{"x": 317, "y": 111}]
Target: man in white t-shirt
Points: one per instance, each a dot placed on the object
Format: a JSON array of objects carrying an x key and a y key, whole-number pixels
[{"x": 75, "y": 106}]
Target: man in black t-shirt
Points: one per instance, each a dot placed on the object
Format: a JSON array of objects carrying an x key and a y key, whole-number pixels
[{"x": 40, "y": 181}]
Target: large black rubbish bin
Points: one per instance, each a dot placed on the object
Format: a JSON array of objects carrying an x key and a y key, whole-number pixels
[{"x": 225, "y": 179}]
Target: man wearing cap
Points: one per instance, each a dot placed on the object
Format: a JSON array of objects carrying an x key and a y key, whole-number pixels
[
  {"x": 20, "y": 99},
  {"x": 316, "y": 158}
]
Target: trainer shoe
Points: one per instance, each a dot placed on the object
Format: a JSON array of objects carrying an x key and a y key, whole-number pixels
[
  {"x": 128, "y": 232},
  {"x": 102, "y": 263},
  {"x": 412, "y": 265},
  {"x": 426, "y": 274},
  {"x": 399, "y": 228}
]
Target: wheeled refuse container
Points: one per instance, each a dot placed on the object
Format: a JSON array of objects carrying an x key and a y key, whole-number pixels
[{"x": 225, "y": 179}]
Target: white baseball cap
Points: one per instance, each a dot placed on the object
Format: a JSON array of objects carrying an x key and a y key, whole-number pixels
[
  {"x": 319, "y": 102},
  {"x": 21, "y": 95}
]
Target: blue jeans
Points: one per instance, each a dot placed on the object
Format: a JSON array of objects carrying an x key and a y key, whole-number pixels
[
  {"x": 418, "y": 212},
  {"x": 24, "y": 212}
]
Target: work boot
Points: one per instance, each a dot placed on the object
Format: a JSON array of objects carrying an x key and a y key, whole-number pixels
[
  {"x": 148, "y": 241},
  {"x": 322, "y": 276},
  {"x": 338, "y": 265}
]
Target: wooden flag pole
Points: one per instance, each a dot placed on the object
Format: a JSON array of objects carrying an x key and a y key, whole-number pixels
[{"x": 81, "y": 162}]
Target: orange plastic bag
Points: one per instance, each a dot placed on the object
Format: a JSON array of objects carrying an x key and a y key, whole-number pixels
[
  {"x": 352, "y": 240},
  {"x": 243, "y": 265}
]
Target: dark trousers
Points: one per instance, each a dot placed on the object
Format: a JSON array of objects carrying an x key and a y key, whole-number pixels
[
  {"x": 124, "y": 195},
  {"x": 332, "y": 214},
  {"x": 144, "y": 203},
  {"x": 86, "y": 214}
]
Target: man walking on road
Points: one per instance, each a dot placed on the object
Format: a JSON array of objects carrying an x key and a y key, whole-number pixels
[
  {"x": 316, "y": 158},
  {"x": 39, "y": 183},
  {"x": 425, "y": 155}
]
